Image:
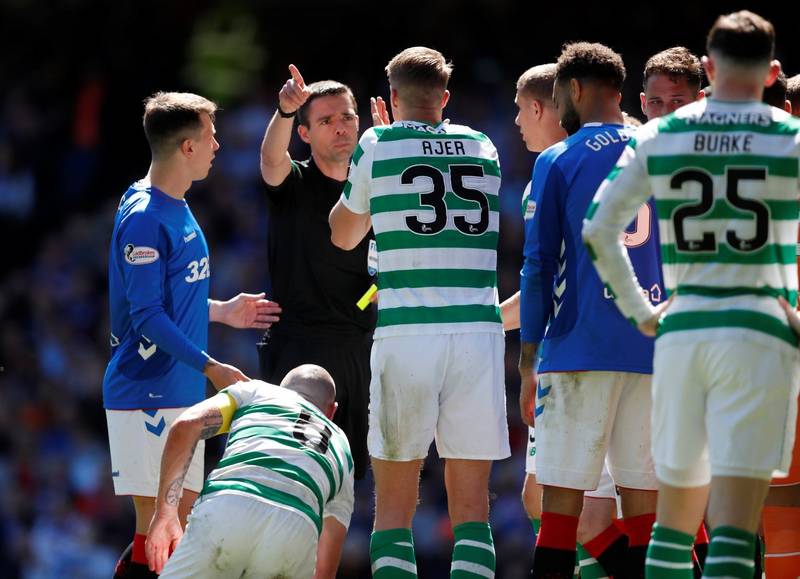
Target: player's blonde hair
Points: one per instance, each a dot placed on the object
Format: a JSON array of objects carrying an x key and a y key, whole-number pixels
[
  {"x": 419, "y": 75},
  {"x": 537, "y": 82}
]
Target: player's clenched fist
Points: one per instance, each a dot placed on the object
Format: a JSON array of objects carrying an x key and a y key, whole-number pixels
[{"x": 293, "y": 93}]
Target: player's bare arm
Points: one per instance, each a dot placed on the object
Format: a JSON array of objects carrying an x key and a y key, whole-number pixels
[
  {"x": 275, "y": 161},
  {"x": 222, "y": 375},
  {"x": 245, "y": 311},
  {"x": 348, "y": 228},
  {"x": 528, "y": 381},
  {"x": 199, "y": 422},
  {"x": 509, "y": 311},
  {"x": 329, "y": 550}
]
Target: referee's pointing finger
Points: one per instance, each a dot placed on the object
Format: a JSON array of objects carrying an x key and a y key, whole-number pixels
[{"x": 298, "y": 78}]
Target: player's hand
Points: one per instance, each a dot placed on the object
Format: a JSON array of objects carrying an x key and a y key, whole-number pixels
[
  {"x": 223, "y": 375},
  {"x": 162, "y": 538},
  {"x": 791, "y": 314},
  {"x": 649, "y": 327},
  {"x": 380, "y": 114},
  {"x": 293, "y": 93},
  {"x": 527, "y": 394},
  {"x": 249, "y": 311}
]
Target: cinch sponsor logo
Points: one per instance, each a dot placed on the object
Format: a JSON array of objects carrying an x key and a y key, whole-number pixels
[{"x": 140, "y": 255}]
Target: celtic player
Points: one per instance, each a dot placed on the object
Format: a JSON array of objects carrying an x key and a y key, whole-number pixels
[
  {"x": 281, "y": 497},
  {"x": 430, "y": 190},
  {"x": 724, "y": 172}
]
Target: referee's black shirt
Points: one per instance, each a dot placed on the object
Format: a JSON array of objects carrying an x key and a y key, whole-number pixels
[{"x": 316, "y": 283}]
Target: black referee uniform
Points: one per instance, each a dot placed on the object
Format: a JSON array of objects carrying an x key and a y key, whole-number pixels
[{"x": 317, "y": 285}]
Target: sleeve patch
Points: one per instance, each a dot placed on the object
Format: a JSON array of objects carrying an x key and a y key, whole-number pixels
[{"x": 140, "y": 255}]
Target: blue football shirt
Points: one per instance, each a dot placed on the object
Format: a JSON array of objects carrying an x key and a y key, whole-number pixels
[
  {"x": 158, "y": 277},
  {"x": 564, "y": 305}
]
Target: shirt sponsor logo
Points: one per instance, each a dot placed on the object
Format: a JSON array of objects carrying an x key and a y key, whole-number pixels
[
  {"x": 140, "y": 255},
  {"x": 530, "y": 209}
]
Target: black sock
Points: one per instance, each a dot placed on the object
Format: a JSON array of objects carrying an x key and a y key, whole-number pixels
[
  {"x": 613, "y": 558},
  {"x": 759, "y": 558},
  {"x": 127, "y": 569},
  {"x": 634, "y": 562},
  {"x": 701, "y": 550},
  {"x": 551, "y": 563},
  {"x": 123, "y": 563}
]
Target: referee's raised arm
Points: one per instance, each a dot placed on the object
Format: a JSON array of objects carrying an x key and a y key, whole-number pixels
[{"x": 275, "y": 160}]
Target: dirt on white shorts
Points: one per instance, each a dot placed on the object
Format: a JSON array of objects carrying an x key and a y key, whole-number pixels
[
  {"x": 238, "y": 537},
  {"x": 588, "y": 419},
  {"x": 448, "y": 387},
  {"x": 605, "y": 488}
]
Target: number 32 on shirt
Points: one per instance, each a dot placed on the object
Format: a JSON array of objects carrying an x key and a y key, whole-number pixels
[{"x": 198, "y": 270}]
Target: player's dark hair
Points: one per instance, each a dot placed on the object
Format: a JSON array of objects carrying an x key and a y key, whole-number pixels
[
  {"x": 419, "y": 75},
  {"x": 537, "y": 82},
  {"x": 676, "y": 62},
  {"x": 322, "y": 88},
  {"x": 171, "y": 117},
  {"x": 743, "y": 36},
  {"x": 775, "y": 95},
  {"x": 793, "y": 93},
  {"x": 590, "y": 61}
]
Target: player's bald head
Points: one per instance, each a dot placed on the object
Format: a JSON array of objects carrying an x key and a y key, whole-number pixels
[{"x": 313, "y": 383}]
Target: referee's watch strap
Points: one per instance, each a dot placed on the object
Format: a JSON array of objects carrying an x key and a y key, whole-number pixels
[{"x": 284, "y": 114}]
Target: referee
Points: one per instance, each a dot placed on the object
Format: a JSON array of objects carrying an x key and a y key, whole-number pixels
[{"x": 316, "y": 283}]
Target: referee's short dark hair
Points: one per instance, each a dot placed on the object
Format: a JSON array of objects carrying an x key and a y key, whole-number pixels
[
  {"x": 171, "y": 117},
  {"x": 319, "y": 89},
  {"x": 590, "y": 61}
]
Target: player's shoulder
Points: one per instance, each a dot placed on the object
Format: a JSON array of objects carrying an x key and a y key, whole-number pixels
[
  {"x": 553, "y": 155},
  {"x": 138, "y": 207}
]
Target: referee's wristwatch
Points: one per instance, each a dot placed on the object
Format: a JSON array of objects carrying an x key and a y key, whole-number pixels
[{"x": 284, "y": 114}]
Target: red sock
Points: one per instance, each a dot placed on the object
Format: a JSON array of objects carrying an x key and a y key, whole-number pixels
[
  {"x": 639, "y": 528},
  {"x": 603, "y": 541},
  {"x": 138, "y": 555},
  {"x": 702, "y": 536},
  {"x": 558, "y": 532}
]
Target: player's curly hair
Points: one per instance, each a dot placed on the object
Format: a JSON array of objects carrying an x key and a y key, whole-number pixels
[
  {"x": 793, "y": 93},
  {"x": 775, "y": 94},
  {"x": 590, "y": 61},
  {"x": 675, "y": 62},
  {"x": 744, "y": 37}
]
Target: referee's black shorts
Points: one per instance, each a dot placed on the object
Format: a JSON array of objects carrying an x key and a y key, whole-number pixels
[{"x": 346, "y": 358}]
